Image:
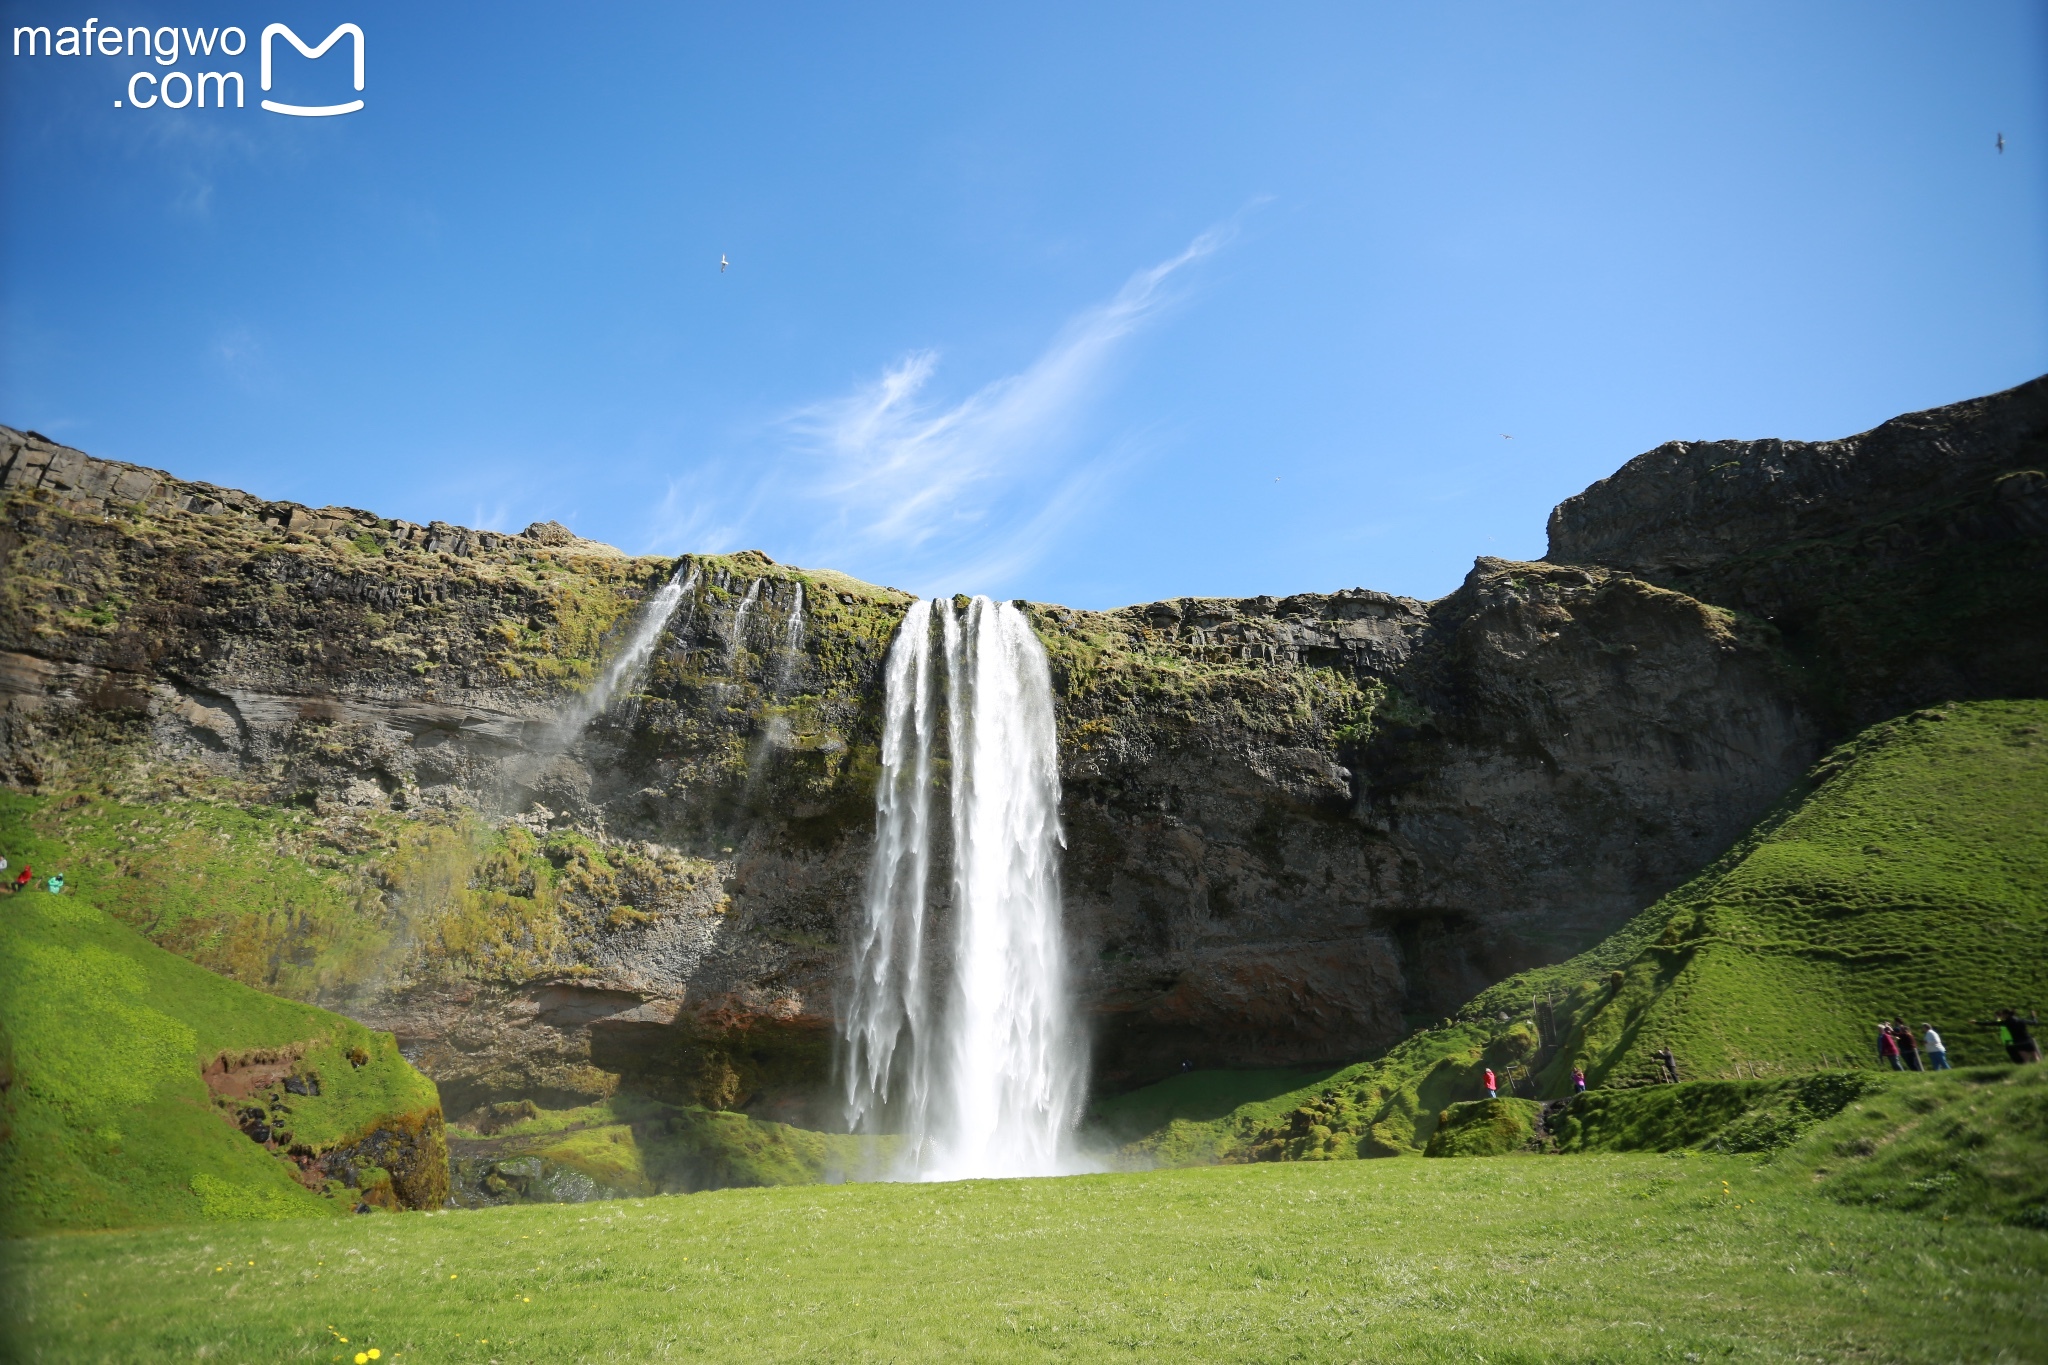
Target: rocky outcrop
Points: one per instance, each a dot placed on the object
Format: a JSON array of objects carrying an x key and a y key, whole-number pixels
[
  {"x": 1294, "y": 825},
  {"x": 1900, "y": 567},
  {"x": 1285, "y": 863}
]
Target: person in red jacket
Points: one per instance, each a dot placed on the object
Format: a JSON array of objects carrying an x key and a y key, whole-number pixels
[
  {"x": 1492, "y": 1087},
  {"x": 1888, "y": 1048},
  {"x": 27, "y": 876}
]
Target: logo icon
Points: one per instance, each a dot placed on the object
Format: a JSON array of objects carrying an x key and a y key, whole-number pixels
[{"x": 314, "y": 54}]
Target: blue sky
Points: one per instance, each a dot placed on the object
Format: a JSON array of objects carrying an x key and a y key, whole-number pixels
[{"x": 1091, "y": 304}]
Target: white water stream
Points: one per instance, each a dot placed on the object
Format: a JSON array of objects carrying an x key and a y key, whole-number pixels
[
  {"x": 982, "y": 1071},
  {"x": 625, "y": 670},
  {"x": 739, "y": 622},
  {"x": 792, "y": 640}
]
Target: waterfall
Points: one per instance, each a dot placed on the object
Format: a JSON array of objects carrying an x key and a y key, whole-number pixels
[
  {"x": 624, "y": 670},
  {"x": 990, "y": 1083},
  {"x": 792, "y": 639},
  {"x": 889, "y": 1001},
  {"x": 739, "y": 623}
]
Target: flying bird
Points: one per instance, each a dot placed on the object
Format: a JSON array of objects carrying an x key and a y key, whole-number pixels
[
  {"x": 2001, "y": 144},
  {"x": 1505, "y": 437},
  {"x": 722, "y": 263}
]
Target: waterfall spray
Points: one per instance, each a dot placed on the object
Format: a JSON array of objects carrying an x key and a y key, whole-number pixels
[{"x": 989, "y": 1085}]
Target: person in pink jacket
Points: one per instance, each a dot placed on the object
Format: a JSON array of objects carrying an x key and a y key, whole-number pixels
[{"x": 1492, "y": 1086}]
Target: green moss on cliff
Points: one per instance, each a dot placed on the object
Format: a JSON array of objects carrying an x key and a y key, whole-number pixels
[
  {"x": 319, "y": 907},
  {"x": 108, "y": 1120},
  {"x": 1120, "y": 675}
]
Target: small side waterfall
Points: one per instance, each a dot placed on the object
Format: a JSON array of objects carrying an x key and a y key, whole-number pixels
[
  {"x": 792, "y": 640},
  {"x": 624, "y": 670},
  {"x": 737, "y": 640},
  {"x": 991, "y": 1083},
  {"x": 793, "y": 629}
]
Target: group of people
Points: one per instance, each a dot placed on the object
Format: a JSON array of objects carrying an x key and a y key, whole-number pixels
[
  {"x": 1899, "y": 1046},
  {"x": 1492, "y": 1082},
  {"x": 1901, "y": 1050},
  {"x": 26, "y": 878}
]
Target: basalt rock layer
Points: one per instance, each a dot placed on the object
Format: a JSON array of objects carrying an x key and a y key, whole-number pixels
[{"x": 1293, "y": 824}]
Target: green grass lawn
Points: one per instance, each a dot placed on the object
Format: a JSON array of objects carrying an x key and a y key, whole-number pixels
[{"x": 1613, "y": 1257}]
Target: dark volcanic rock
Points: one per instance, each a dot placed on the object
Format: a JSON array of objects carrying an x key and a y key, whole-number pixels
[
  {"x": 1901, "y": 567},
  {"x": 1268, "y": 875}
]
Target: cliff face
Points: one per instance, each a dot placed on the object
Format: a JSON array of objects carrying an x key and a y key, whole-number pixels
[
  {"x": 1291, "y": 823},
  {"x": 1903, "y": 566}
]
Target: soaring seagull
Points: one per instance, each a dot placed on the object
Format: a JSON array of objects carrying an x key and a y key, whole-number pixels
[
  {"x": 723, "y": 263},
  {"x": 2001, "y": 144}
]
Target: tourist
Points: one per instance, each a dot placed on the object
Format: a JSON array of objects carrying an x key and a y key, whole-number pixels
[
  {"x": 56, "y": 884},
  {"x": 1937, "y": 1051},
  {"x": 1909, "y": 1046},
  {"x": 2013, "y": 1035},
  {"x": 1492, "y": 1087},
  {"x": 2024, "y": 1046},
  {"x": 1668, "y": 1063},
  {"x": 1578, "y": 1080},
  {"x": 27, "y": 875},
  {"x": 1888, "y": 1047}
]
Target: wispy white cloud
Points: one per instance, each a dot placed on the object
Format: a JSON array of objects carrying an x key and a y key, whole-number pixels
[
  {"x": 906, "y": 471},
  {"x": 890, "y": 483},
  {"x": 693, "y": 513}
]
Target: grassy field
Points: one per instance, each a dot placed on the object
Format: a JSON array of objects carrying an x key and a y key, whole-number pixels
[{"x": 1589, "y": 1258}]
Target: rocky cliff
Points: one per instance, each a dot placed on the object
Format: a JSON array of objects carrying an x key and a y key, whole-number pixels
[
  {"x": 1899, "y": 567},
  {"x": 1293, "y": 825}
]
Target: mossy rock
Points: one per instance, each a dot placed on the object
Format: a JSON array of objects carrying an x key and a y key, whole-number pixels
[{"x": 1486, "y": 1128}]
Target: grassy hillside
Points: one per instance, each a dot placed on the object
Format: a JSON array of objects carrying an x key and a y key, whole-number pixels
[
  {"x": 1593, "y": 1258},
  {"x": 1959, "y": 1143},
  {"x": 108, "y": 1120},
  {"x": 1907, "y": 875}
]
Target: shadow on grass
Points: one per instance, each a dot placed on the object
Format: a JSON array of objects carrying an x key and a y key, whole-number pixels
[{"x": 1196, "y": 1097}]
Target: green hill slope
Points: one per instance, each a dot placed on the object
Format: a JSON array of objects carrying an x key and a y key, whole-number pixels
[
  {"x": 109, "y": 1121},
  {"x": 1907, "y": 875}
]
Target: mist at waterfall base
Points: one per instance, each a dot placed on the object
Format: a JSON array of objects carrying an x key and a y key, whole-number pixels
[{"x": 965, "y": 1043}]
